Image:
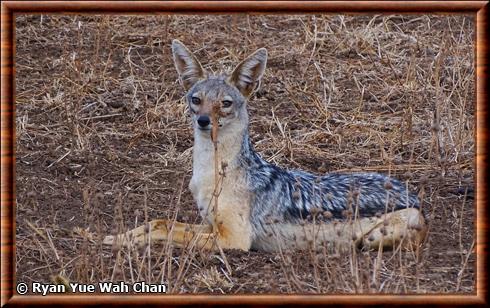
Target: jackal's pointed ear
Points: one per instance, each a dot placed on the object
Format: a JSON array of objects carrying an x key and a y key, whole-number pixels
[
  {"x": 248, "y": 73},
  {"x": 189, "y": 69}
]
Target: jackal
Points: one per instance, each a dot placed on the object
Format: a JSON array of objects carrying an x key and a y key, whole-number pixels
[{"x": 249, "y": 203}]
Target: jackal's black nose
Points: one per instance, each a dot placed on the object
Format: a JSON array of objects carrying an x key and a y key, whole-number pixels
[{"x": 203, "y": 121}]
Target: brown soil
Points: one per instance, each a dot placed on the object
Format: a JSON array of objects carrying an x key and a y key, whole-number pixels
[{"x": 102, "y": 131}]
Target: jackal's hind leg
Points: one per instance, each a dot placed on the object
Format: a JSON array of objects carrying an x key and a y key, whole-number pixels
[
  {"x": 403, "y": 227},
  {"x": 164, "y": 230}
]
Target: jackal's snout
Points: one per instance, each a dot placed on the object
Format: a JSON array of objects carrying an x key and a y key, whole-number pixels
[{"x": 204, "y": 122}]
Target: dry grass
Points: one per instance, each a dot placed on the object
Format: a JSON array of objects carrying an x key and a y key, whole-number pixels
[{"x": 104, "y": 142}]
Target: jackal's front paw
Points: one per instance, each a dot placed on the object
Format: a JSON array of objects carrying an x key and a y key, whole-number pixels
[
  {"x": 115, "y": 240},
  {"x": 125, "y": 239},
  {"x": 108, "y": 240}
]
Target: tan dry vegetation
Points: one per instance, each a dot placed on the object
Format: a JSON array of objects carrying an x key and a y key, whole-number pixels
[{"x": 104, "y": 142}]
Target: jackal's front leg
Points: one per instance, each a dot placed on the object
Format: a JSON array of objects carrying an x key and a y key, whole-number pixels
[{"x": 182, "y": 235}]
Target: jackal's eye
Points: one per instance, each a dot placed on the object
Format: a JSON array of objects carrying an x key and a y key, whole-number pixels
[
  {"x": 227, "y": 103},
  {"x": 196, "y": 100}
]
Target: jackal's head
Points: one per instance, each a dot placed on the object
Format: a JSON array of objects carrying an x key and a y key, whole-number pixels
[{"x": 229, "y": 92}]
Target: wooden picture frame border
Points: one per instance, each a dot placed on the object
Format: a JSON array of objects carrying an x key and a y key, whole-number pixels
[{"x": 10, "y": 8}]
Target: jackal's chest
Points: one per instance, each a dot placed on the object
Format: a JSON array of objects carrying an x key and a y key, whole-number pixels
[
  {"x": 230, "y": 190},
  {"x": 202, "y": 187}
]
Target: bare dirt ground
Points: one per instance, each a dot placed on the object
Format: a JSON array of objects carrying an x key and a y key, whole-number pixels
[{"x": 103, "y": 139}]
